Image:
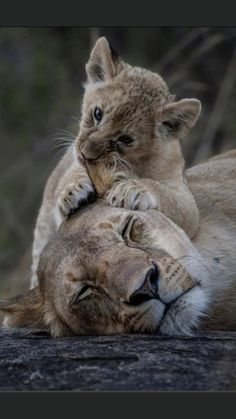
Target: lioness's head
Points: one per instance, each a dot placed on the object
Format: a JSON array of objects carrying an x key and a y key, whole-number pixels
[
  {"x": 112, "y": 270},
  {"x": 128, "y": 110}
]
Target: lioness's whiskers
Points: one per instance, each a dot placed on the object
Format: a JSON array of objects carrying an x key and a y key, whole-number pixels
[{"x": 191, "y": 257}]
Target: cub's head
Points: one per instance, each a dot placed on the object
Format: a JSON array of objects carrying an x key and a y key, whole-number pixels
[
  {"x": 128, "y": 110},
  {"x": 112, "y": 270}
]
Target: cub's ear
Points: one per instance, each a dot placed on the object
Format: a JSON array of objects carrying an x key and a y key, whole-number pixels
[
  {"x": 24, "y": 311},
  {"x": 103, "y": 63},
  {"x": 177, "y": 118}
]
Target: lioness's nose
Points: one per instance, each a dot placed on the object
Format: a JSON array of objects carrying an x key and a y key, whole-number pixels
[{"x": 149, "y": 288}]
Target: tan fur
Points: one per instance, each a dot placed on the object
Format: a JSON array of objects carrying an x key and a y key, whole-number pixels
[
  {"x": 59, "y": 197},
  {"x": 197, "y": 280},
  {"x": 148, "y": 174},
  {"x": 137, "y": 103}
]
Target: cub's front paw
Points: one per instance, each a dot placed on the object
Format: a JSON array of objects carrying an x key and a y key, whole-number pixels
[
  {"x": 74, "y": 196},
  {"x": 131, "y": 194}
]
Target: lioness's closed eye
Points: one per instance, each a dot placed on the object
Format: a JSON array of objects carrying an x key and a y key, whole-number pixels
[{"x": 129, "y": 118}]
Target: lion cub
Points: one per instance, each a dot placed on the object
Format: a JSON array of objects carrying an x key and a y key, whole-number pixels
[{"x": 128, "y": 117}]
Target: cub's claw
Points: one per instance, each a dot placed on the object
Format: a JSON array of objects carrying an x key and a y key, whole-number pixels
[
  {"x": 75, "y": 196},
  {"x": 131, "y": 194}
]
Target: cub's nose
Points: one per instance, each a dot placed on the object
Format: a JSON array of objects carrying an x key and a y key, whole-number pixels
[{"x": 149, "y": 288}]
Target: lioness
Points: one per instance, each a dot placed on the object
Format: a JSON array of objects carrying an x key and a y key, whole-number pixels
[
  {"x": 113, "y": 270},
  {"x": 129, "y": 113}
]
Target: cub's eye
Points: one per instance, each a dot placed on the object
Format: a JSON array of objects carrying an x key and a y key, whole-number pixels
[
  {"x": 98, "y": 114},
  {"x": 83, "y": 293},
  {"x": 125, "y": 139}
]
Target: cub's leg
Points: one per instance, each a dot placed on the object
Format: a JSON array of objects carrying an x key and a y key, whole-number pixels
[
  {"x": 74, "y": 190},
  {"x": 66, "y": 190},
  {"x": 174, "y": 199},
  {"x": 172, "y": 196}
]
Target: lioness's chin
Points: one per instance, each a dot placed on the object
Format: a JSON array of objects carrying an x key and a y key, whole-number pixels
[{"x": 185, "y": 314}]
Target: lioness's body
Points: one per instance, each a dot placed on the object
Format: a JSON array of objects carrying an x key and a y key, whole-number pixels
[
  {"x": 69, "y": 172},
  {"x": 213, "y": 184},
  {"x": 198, "y": 277}
]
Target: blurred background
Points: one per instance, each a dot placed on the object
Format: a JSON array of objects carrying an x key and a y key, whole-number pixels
[{"x": 41, "y": 75}]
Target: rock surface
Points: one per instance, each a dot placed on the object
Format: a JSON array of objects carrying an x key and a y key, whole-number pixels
[{"x": 125, "y": 362}]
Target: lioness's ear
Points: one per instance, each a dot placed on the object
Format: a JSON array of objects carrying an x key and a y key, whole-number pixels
[
  {"x": 178, "y": 118},
  {"x": 25, "y": 311},
  {"x": 103, "y": 63}
]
